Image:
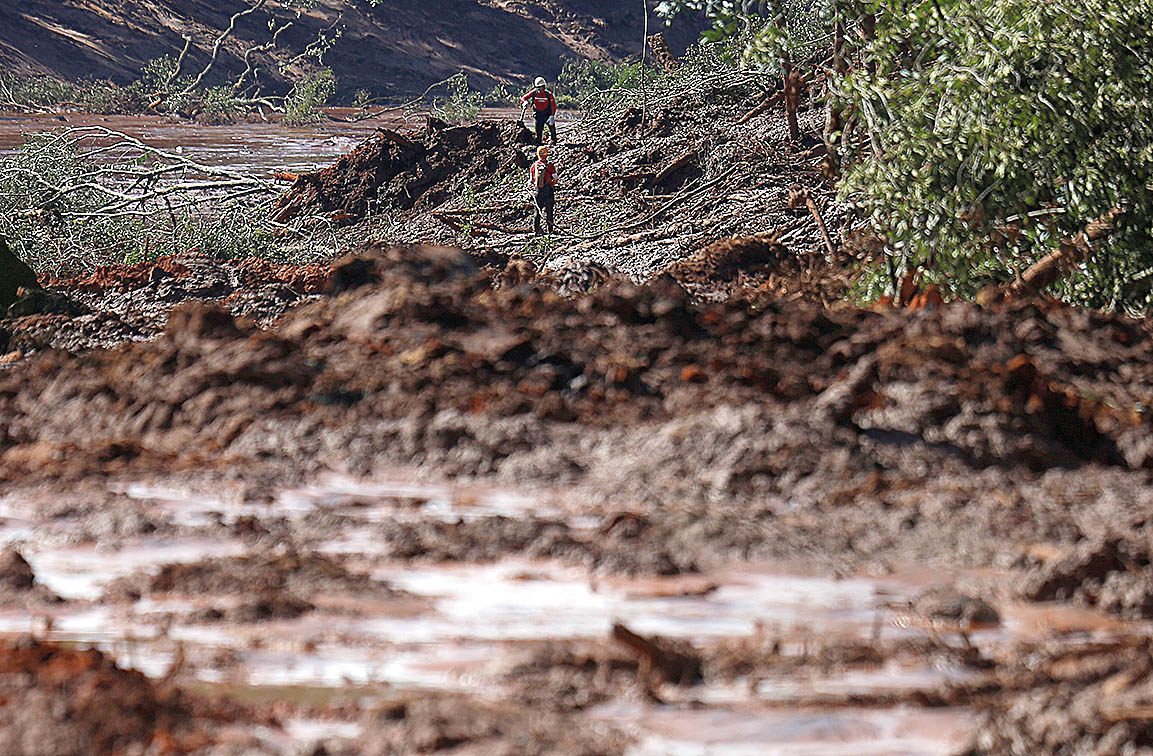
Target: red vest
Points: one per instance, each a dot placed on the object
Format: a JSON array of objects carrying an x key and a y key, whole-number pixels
[{"x": 542, "y": 102}]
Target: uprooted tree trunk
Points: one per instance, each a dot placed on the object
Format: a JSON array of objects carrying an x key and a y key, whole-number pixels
[
  {"x": 792, "y": 80},
  {"x": 1069, "y": 253},
  {"x": 660, "y": 50},
  {"x": 793, "y": 85}
]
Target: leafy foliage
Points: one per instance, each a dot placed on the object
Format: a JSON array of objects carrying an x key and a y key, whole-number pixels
[
  {"x": 995, "y": 129},
  {"x": 764, "y": 33},
  {"x": 307, "y": 97},
  {"x": 581, "y": 79},
  {"x": 461, "y": 103},
  {"x": 1004, "y": 126}
]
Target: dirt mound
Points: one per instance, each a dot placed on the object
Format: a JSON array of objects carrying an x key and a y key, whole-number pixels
[
  {"x": 18, "y": 582},
  {"x": 456, "y": 725},
  {"x": 269, "y": 576},
  {"x": 407, "y": 171},
  {"x": 67, "y": 702},
  {"x": 624, "y": 550},
  {"x": 1026, "y": 386},
  {"x": 116, "y": 304}
]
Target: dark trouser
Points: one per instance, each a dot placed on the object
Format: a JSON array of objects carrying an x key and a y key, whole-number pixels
[
  {"x": 542, "y": 117},
  {"x": 543, "y": 207}
]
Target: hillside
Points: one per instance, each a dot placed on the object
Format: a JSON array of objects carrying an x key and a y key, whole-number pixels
[{"x": 393, "y": 48}]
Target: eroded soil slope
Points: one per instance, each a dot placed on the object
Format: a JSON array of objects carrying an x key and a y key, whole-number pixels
[{"x": 393, "y": 48}]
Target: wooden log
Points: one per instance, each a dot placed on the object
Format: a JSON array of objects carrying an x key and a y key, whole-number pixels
[
  {"x": 672, "y": 666},
  {"x": 396, "y": 138},
  {"x": 674, "y": 166},
  {"x": 765, "y": 104},
  {"x": 1059, "y": 263},
  {"x": 641, "y": 176},
  {"x": 502, "y": 229},
  {"x": 793, "y": 86},
  {"x": 660, "y": 50},
  {"x": 475, "y": 210},
  {"x": 834, "y": 119},
  {"x": 816, "y": 213}
]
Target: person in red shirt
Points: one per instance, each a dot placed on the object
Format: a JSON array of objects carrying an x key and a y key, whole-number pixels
[
  {"x": 543, "y": 109},
  {"x": 542, "y": 176}
]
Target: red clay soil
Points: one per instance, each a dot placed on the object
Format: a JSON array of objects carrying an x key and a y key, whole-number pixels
[
  {"x": 115, "y": 304},
  {"x": 67, "y": 702},
  {"x": 424, "y": 331},
  {"x": 252, "y": 272}
]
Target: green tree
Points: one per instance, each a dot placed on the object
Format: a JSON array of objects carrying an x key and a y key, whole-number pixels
[
  {"x": 984, "y": 132},
  {"x": 999, "y": 127},
  {"x": 308, "y": 96}
]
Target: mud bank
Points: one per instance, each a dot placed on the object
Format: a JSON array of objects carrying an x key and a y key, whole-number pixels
[{"x": 656, "y": 460}]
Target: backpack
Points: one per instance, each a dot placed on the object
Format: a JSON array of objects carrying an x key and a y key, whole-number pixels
[{"x": 540, "y": 174}]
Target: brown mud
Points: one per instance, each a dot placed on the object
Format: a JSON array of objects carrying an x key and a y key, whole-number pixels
[{"x": 646, "y": 497}]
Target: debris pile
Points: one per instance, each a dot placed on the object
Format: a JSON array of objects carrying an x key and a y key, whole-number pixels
[
  {"x": 637, "y": 198},
  {"x": 394, "y": 171}
]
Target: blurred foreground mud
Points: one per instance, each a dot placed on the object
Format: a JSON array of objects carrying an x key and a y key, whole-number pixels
[{"x": 405, "y": 503}]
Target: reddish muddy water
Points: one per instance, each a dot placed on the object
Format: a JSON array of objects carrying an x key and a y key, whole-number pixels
[
  {"x": 456, "y": 626},
  {"x": 256, "y": 148}
]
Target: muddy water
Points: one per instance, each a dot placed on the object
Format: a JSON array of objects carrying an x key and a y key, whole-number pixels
[
  {"x": 457, "y": 626},
  {"x": 259, "y": 149}
]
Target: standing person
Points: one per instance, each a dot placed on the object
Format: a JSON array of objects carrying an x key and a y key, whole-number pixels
[
  {"x": 543, "y": 109},
  {"x": 542, "y": 176}
]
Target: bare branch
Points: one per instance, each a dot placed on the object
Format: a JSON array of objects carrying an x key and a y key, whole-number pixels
[
  {"x": 220, "y": 41},
  {"x": 179, "y": 63},
  {"x": 249, "y": 68}
]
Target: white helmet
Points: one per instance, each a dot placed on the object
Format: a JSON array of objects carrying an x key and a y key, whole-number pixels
[{"x": 540, "y": 82}]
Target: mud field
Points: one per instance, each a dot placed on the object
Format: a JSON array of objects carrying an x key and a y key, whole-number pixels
[{"x": 650, "y": 497}]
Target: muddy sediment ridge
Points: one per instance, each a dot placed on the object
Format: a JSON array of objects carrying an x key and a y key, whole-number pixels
[
  {"x": 264, "y": 506},
  {"x": 644, "y": 492}
]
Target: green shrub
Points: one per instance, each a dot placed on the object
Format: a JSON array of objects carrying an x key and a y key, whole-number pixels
[
  {"x": 1004, "y": 126},
  {"x": 499, "y": 97},
  {"x": 987, "y": 131},
  {"x": 461, "y": 104},
  {"x": 582, "y": 79},
  {"x": 307, "y": 97}
]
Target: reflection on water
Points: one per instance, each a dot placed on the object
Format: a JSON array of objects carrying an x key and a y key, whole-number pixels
[
  {"x": 259, "y": 149},
  {"x": 796, "y": 732}
]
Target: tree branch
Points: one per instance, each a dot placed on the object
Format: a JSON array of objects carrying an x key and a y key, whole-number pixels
[{"x": 220, "y": 41}]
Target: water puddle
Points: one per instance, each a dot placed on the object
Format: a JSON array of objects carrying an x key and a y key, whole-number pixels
[
  {"x": 795, "y": 732},
  {"x": 455, "y": 626}
]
